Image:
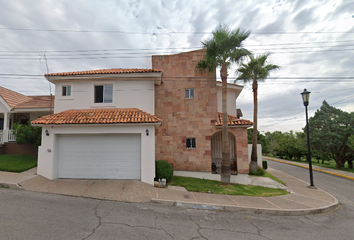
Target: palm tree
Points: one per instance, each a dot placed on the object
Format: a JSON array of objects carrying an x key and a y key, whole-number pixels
[
  {"x": 255, "y": 70},
  {"x": 224, "y": 48}
]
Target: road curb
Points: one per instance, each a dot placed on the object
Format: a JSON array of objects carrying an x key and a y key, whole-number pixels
[
  {"x": 247, "y": 210},
  {"x": 313, "y": 168},
  {"x": 10, "y": 185}
]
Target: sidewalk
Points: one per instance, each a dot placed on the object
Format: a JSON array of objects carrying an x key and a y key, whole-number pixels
[{"x": 301, "y": 200}]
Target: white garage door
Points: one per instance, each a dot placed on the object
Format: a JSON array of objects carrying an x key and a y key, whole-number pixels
[{"x": 115, "y": 156}]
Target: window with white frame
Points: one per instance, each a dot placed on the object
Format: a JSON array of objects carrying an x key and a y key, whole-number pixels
[
  {"x": 104, "y": 93},
  {"x": 190, "y": 143},
  {"x": 66, "y": 90},
  {"x": 189, "y": 93}
]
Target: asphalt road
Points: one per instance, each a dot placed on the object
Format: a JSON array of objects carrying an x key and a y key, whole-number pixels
[
  {"x": 33, "y": 215},
  {"x": 341, "y": 188}
]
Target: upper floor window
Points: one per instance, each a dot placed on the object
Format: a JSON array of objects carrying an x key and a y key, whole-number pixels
[
  {"x": 189, "y": 93},
  {"x": 190, "y": 143},
  {"x": 104, "y": 93},
  {"x": 66, "y": 91}
]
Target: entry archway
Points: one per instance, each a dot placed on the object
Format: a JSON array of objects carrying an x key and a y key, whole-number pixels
[{"x": 216, "y": 152}]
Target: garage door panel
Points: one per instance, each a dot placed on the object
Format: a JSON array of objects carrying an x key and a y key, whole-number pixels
[{"x": 115, "y": 156}]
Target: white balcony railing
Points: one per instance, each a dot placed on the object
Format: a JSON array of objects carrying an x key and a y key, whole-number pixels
[
  {"x": 11, "y": 136},
  {"x": 7, "y": 136}
]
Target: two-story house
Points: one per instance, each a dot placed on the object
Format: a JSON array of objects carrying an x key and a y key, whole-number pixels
[{"x": 114, "y": 123}]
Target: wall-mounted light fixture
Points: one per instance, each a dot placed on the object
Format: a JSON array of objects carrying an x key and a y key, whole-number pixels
[
  {"x": 147, "y": 132},
  {"x": 46, "y": 132}
]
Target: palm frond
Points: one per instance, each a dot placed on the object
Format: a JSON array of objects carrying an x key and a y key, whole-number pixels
[
  {"x": 225, "y": 47},
  {"x": 255, "y": 69}
]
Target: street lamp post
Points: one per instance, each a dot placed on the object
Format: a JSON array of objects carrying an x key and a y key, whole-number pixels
[{"x": 305, "y": 98}]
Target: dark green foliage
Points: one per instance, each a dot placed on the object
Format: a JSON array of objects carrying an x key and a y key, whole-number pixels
[
  {"x": 259, "y": 172},
  {"x": 163, "y": 170},
  {"x": 290, "y": 145},
  {"x": 28, "y": 134},
  {"x": 261, "y": 139},
  {"x": 351, "y": 142},
  {"x": 265, "y": 165},
  {"x": 330, "y": 130}
]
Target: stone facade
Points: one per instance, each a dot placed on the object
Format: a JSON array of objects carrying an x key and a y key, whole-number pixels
[{"x": 189, "y": 118}]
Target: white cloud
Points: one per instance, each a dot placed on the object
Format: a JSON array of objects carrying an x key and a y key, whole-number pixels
[{"x": 277, "y": 98}]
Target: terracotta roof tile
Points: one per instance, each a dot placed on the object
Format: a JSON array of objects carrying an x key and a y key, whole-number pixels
[
  {"x": 98, "y": 116},
  {"x": 106, "y": 71},
  {"x": 233, "y": 121},
  {"x": 36, "y": 102},
  {"x": 12, "y": 98}
]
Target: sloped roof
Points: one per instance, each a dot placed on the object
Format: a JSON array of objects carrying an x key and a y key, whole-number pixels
[
  {"x": 98, "y": 116},
  {"x": 13, "y": 98},
  {"x": 19, "y": 101},
  {"x": 233, "y": 121},
  {"x": 37, "y": 102},
  {"x": 105, "y": 71}
]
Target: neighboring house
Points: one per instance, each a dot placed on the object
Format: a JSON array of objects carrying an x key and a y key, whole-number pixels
[
  {"x": 18, "y": 108},
  {"x": 114, "y": 123}
]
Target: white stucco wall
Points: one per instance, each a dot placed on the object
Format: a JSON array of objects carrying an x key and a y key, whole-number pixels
[
  {"x": 48, "y": 161},
  {"x": 127, "y": 93},
  {"x": 3, "y": 108},
  {"x": 259, "y": 154},
  {"x": 232, "y": 94}
]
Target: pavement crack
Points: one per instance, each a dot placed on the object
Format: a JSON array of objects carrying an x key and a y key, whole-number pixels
[
  {"x": 153, "y": 228},
  {"x": 198, "y": 230},
  {"x": 99, "y": 221},
  {"x": 258, "y": 229}
]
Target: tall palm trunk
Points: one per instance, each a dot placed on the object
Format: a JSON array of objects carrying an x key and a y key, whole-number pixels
[
  {"x": 254, "y": 157},
  {"x": 225, "y": 164}
]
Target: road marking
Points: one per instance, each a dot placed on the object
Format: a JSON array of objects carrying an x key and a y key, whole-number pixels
[
  {"x": 233, "y": 201},
  {"x": 87, "y": 188},
  {"x": 271, "y": 203},
  {"x": 54, "y": 186},
  {"x": 194, "y": 197},
  {"x": 121, "y": 191}
]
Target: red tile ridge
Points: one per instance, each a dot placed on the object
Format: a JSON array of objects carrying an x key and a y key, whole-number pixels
[{"x": 106, "y": 71}]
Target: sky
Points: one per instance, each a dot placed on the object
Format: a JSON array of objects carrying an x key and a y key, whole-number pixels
[{"x": 311, "y": 41}]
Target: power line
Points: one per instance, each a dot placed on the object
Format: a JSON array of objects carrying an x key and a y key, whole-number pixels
[
  {"x": 155, "y": 33},
  {"x": 170, "y": 48}
]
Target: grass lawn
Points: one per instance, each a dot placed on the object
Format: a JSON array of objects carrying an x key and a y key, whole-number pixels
[
  {"x": 204, "y": 185},
  {"x": 17, "y": 163},
  {"x": 326, "y": 164},
  {"x": 267, "y": 174}
]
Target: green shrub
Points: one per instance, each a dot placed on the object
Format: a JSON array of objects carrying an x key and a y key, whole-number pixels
[
  {"x": 265, "y": 165},
  {"x": 163, "y": 170},
  {"x": 260, "y": 172}
]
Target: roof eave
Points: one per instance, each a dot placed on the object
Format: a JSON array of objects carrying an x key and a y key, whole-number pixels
[
  {"x": 237, "y": 126},
  {"x": 156, "y": 76},
  {"x": 90, "y": 124}
]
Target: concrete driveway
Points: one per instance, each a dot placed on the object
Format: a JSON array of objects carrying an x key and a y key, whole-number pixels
[{"x": 117, "y": 190}]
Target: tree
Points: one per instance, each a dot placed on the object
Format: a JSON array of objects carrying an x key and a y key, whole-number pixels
[
  {"x": 291, "y": 145},
  {"x": 255, "y": 70},
  {"x": 28, "y": 134},
  {"x": 330, "y": 129},
  {"x": 260, "y": 139},
  {"x": 224, "y": 48},
  {"x": 351, "y": 142}
]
